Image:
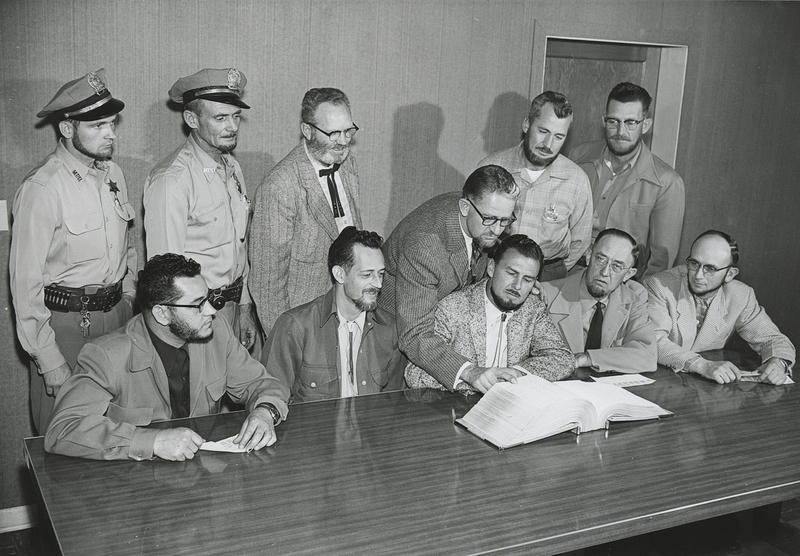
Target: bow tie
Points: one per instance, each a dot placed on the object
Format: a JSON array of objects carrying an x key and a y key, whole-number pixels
[{"x": 328, "y": 171}]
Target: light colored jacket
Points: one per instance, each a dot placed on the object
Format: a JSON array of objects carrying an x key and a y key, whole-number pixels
[{"x": 628, "y": 343}]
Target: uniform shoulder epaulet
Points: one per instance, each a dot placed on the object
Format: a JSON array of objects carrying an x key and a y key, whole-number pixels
[{"x": 44, "y": 172}]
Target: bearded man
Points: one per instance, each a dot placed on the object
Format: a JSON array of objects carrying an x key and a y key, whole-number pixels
[
  {"x": 555, "y": 204},
  {"x": 340, "y": 344},
  {"x": 71, "y": 262},
  {"x": 305, "y": 201}
]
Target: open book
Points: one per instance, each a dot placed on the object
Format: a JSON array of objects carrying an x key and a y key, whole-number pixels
[{"x": 533, "y": 408}]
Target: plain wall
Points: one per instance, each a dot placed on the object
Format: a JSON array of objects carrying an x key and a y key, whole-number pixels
[{"x": 435, "y": 85}]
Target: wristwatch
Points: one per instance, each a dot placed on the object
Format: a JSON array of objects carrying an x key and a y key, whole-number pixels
[{"x": 276, "y": 415}]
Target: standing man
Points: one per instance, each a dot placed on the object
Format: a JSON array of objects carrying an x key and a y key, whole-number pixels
[
  {"x": 601, "y": 314},
  {"x": 634, "y": 190},
  {"x": 440, "y": 248},
  {"x": 71, "y": 261},
  {"x": 307, "y": 199},
  {"x": 340, "y": 344},
  {"x": 697, "y": 307},
  {"x": 555, "y": 205},
  {"x": 195, "y": 200},
  {"x": 498, "y": 323}
]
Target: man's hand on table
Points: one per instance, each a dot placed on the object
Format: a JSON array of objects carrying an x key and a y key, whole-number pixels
[
  {"x": 177, "y": 444},
  {"x": 257, "y": 430},
  {"x": 721, "y": 372},
  {"x": 773, "y": 371},
  {"x": 483, "y": 378}
]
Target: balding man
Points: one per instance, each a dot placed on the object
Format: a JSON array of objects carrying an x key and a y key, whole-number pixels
[{"x": 697, "y": 307}]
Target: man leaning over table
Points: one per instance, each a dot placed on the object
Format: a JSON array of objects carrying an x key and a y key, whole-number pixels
[
  {"x": 696, "y": 307},
  {"x": 601, "y": 313},
  {"x": 176, "y": 359},
  {"x": 497, "y": 323}
]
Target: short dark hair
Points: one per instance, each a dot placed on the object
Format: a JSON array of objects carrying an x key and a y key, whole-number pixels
[
  {"x": 560, "y": 104},
  {"x": 628, "y": 92},
  {"x": 314, "y": 97},
  {"x": 614, "y": 232},
  {"x": 728, "y": 239},
  {"x": 156, "y": 284},
  {"x": 341, "y": 250},
  {"x": 523, "y": 245},
  {"x": 488, "y": 180}
]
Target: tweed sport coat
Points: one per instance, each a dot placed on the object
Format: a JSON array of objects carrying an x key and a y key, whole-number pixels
[
  {"x": 533, "y": 342},
  {"x": 292, "y": 230},
  {"x": 734, "y": 308},
  {"x": 426, "y": 260},
  {"x": 628, "y": 342}
]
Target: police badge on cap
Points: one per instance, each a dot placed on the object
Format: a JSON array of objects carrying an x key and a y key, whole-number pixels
[
  {"x": 220, "y": 85},
  {"x": 85, "y": 99}
]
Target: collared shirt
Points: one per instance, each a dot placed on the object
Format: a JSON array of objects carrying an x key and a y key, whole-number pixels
[
  {"x": 199, "y": 208},
  {"x": 343, "y": 221},
  {"x": 588, "y": 307},
  {"x": 176, "y": 364},
  {"x": 70, "y": 228},
  {"x": 555, "y": 210},
  {"x": 348, "y": 353},
  {"x": 701, "y": 308},
  {"x": 604, "y": 196},
  {"x": 496, "y": 326}
]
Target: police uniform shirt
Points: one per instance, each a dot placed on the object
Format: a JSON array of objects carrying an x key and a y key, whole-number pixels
[{"x": 71, "y": 229}]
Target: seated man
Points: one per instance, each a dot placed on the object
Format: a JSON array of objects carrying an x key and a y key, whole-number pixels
[
  {"x": 497, "y": 323},
  {"x": 698, "y": 306},
  {"x": 603, "y": 316},
  {"x": 173, "y": 360},
  {"x": 340, "y": 344}
]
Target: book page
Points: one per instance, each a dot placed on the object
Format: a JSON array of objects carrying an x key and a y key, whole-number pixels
[
  {"x": 533, "y": 408},
  {"x": 613, "y": 403},
  {"x": 624, "y": 381}
]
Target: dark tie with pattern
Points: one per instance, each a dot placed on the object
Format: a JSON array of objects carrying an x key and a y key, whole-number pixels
[
  {"x": 336, "y": 203},
  {"x": 595, "y": 334},
  {"x": 473, "y": 261}
]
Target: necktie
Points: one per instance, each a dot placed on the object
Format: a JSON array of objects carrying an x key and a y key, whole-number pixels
[
  {"x": 473, "y": 261},
  {"x": 350, "y": 327},
  {"x": 498, "y": 352},
  {"x": 595, "y": 334},
  {"x": 336, "y": 203}
]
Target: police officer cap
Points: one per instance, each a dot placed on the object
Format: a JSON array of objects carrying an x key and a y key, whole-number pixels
[
  {"x": 85, "y": 99},
  {"x": 220, "y": 85}
]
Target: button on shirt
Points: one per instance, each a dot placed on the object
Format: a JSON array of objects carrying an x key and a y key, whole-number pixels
[
  {"x": 199, "y": 208},
  {"x": 348, "y": 377},
  {"x": 604, "y": 196},
  {"x": 70, "y": 229},
  {"x": 347, "y": 219}
]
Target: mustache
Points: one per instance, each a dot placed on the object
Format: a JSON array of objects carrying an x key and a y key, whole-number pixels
[
  {"x": 376, "y": 291},
  {"x": 512, "y": 293},
  {"x": 545, "y": 150}
]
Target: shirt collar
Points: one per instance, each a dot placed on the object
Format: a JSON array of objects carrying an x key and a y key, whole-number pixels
[
  {"x": 166, "y": 352},
  {"x": 631, "y": 163},
  {"x": 78, "y": 169},
  {"x": 210, "y": 166},
  {"x": 360, "y": 320}
]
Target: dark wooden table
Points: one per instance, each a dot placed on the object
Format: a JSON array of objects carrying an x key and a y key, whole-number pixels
[{"x": 391, "y": 474}]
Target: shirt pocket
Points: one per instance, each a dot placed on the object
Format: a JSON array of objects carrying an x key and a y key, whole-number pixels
[
  {"x": 214, "y": 221},
  {"x": 216, "y": 389},
  {"x": 138, "y": 416},
  {"x": 85, "y": 238},
  {"x": 317, "y": 382}
]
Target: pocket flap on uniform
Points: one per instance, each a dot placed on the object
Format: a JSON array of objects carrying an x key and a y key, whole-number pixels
[
  {"x": 217, "y": 388},
  {"x": 82, "y": 223},
  {"x": 138, "y": 416}
]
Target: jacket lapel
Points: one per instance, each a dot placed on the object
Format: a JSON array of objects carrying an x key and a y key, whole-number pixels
[
  {"x": 566, "y": 313},
  {"x": 143, "y": 357},
  {"x": 477, "y": 324},
  {"x": 318, "y": 205},
  {"x": 687, "y": 316},
  {"x": 619, "y": 307},
  {"x": 714, "y": 323}
]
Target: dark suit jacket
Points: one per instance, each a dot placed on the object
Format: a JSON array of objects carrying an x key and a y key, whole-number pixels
[
  {"x": 426, "y": 259},
  {"x": 628, "y": 344},
  {"x": 292, "y": 230}
]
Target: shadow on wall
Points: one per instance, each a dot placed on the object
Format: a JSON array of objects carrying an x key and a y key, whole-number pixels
[
  {"x": 503, "y": 128},
  {"x": 418, "y": 172}
]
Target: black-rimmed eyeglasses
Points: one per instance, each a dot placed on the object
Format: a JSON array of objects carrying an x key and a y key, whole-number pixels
[
  {"x": 213, "y": 297},
  {"x": 336, "y": 135},
  {"x": 492, "y": 220},
  {"x": 708, "y": 270}
]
